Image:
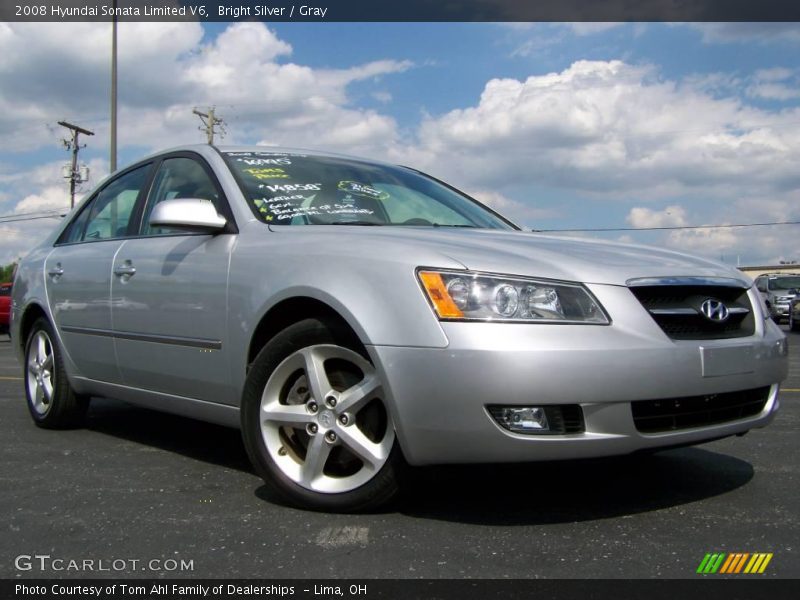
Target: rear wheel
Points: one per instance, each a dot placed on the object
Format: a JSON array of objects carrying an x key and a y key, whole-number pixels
[
  {"x": 315, "y": 421},
  {"x": 51, "y": 401}
]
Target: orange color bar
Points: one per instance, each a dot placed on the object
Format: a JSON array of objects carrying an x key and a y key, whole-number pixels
[
  {"x": 724, "y": 568},
  {"x": 740, "y": 564}
]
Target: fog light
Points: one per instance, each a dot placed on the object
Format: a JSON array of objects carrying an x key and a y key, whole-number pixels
[{"x": 523, "y": 419}]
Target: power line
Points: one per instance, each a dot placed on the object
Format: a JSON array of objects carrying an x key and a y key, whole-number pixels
[
  {"x": 673, "y": 228},
  {"x": 53, "y": 216},
  {"x": 35, "y": 212}
]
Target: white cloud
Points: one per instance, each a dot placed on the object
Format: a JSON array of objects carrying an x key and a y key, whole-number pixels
[
  {"x": 51, "y": 198},
  {"x": 10, "y": 242},
  {"x": 382, "y": 97},
  {"x": 622, "y": 133},
  {"x": 778, "y": 83},
  {"x": 53, "y": 71},
  {"x": 165, "y": 70},
  {"x": 705, "y": 241},
  {"x": 765, "y": 32},
  {"x": 592, "y": 27},
  {"x": 607, "y": 130},
  {"x": 515, "y": 210},
  {"x": 714, "y": 242},
  {"x": 773, "y": 74},
  {"x": 671, "y": 216},
  {"x": 539, "y": 38},
  {"x": 38, "y": 192},
  {"x": 614, "y": 128}
]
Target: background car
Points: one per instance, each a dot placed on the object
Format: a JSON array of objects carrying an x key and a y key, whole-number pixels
[
  {"x": 778, "y": 290},
  {"x": 5, "y": 307},
  {"x": 794, "y": 314},
  {"x": 354, "y": 317}
]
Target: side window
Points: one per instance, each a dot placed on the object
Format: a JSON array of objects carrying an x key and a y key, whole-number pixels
[
  {"x": 74, "y": 232},
  {"x": 178, "y": 178},
  {"x": 111, "y": 210},
  {"x": 761, "y": 284}
]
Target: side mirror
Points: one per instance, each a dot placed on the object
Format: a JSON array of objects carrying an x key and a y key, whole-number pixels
[{"x": 187, "y": 213}]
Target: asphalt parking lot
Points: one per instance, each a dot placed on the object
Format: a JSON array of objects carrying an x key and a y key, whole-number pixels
[{"x": 136, "y": 485}]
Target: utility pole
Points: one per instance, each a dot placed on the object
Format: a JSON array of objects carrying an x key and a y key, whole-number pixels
[
  {"x": 210, "y": 122},
  {"x": 73, "y": 145},
  {"x": 113, "y": 149}
]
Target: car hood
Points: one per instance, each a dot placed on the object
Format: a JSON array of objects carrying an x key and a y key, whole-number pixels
[{"x": 520, "y": 253}]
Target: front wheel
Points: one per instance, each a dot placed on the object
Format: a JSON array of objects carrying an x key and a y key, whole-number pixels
[
  {"x": 316, "y": 424},
  {"x": 51, "y": 401}
]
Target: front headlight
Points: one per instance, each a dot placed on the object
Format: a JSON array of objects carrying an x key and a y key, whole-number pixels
[{"x": 466, "y": 296}]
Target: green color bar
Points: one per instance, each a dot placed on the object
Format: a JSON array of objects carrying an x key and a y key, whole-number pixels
[
  {"x": 703, "y": 564},
  {"x": 716, "y": 565}
]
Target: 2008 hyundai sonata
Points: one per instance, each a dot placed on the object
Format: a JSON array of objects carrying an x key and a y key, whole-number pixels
[{"x": 352, "y": 317}]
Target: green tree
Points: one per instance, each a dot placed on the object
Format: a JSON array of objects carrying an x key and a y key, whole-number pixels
[{"x": 7, "y": 272}]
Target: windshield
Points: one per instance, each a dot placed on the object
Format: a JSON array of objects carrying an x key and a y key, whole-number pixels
[
  {"x": 297, "y": 189},
  {"x": 784, "y": 283}
]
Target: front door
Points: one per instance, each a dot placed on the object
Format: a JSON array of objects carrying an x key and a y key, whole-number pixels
[{"x": 169, "y": 295}]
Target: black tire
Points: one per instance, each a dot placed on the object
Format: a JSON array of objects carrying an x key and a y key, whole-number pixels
[
  {"x": 294, "y": 442},
  {"x": 63, "y": 409},
  {"x": 793, "y": 324}
]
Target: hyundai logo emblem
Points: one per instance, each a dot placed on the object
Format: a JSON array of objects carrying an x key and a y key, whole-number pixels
[{"x": 714, "y": 310}]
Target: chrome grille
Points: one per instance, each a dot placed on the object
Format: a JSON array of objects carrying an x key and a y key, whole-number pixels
[{"x": 677, "y": 310}]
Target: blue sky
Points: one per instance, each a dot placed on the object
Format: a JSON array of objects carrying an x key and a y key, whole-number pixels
[{"x": 559, "y": 126}]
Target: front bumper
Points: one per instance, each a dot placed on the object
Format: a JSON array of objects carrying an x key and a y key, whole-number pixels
[
  {"x": 438, "y": 396},
  {"x": 780, "y": 310}
]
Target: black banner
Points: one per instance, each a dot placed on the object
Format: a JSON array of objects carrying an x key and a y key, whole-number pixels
[
  {"x": 405, "y": 10},
  {"x": 710, "y": 588}
]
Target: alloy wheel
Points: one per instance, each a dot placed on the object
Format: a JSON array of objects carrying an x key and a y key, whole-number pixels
[
  {"x": 40, "y": 375},
  {"x": 323, "y": 420}
]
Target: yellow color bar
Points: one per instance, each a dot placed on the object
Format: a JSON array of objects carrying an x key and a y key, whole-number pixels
[
  {"x": 765, "y": 563},
  {"x": 754, "y": 562}
]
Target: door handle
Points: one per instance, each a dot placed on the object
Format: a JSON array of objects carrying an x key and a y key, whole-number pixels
[
  {"x": 125, "y": 270},
  {"x": 56, "y": 271}
]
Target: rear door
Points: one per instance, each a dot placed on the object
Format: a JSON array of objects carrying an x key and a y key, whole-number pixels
[
  {"x": 78, "y": 273},
  {"x": 169, "y": 293}
]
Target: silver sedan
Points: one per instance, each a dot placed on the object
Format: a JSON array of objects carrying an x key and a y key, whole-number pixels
[{"x": 353, "y": 317}]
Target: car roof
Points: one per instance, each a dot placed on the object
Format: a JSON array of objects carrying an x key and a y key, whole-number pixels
[{"x": 206, "y": 149}]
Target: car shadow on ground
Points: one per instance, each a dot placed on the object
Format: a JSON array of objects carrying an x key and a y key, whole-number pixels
[
  {"x": 198, "y": 440},
  {"x": 535, "y": 493},
  {"x": 574, "y": 491}
]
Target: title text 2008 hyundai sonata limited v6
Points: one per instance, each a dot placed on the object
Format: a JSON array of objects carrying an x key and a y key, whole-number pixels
[{"x": 352, "y": 316}]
